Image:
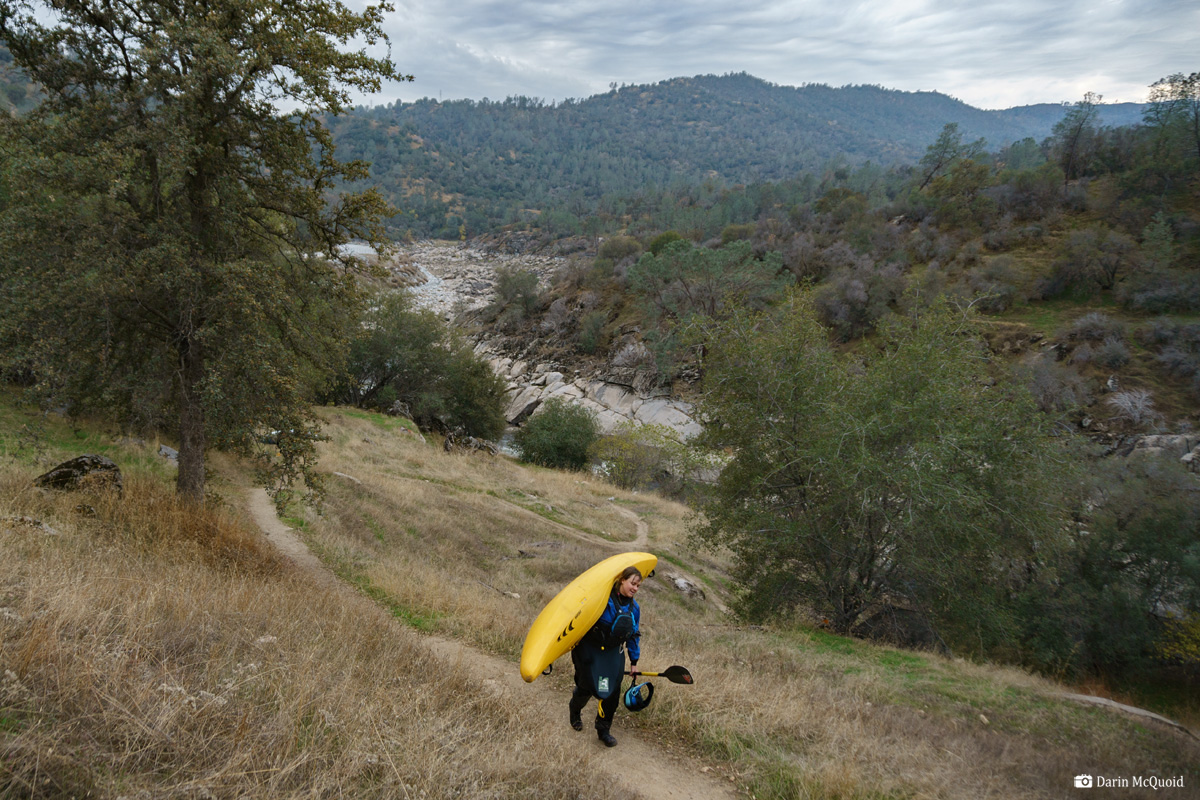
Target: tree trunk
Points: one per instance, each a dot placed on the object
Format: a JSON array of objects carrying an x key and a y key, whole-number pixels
[{"x": 189, "y": 483}]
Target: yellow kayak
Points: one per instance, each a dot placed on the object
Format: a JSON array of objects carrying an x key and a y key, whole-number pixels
[{"x": 574, "y": 610}]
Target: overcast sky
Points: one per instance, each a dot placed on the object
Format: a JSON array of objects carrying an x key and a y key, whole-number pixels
[{"x": 988, "y": 53}]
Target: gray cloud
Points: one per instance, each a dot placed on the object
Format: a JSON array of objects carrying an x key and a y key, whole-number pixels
[{"x": 988, "y": 53}]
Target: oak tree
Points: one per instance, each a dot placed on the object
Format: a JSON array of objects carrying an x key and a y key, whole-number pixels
[
  {"x": 902, "y": 475},
  {"x": 170, "y": 224}
]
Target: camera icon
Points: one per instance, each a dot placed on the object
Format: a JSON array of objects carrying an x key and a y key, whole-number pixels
[{"x": 1083, "y": 781}]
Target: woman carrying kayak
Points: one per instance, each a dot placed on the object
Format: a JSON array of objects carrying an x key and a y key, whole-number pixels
[{"x": 599, "y": 657}]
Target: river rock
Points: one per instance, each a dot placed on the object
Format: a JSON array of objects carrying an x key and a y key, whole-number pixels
[
  {"x": 83, "y": 473},
  {"x": 1173, "y": 446}
]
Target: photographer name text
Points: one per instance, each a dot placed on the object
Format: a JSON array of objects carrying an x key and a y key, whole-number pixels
[{"x": 1136, "y": 782}]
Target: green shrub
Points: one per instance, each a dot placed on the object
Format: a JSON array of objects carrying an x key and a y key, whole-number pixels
[
  {"x": 558, "y": 436},
  {"x": 516, "y": 292},
  {"x": 637, "y": 456},
  {"x": 619, "y": 247},
  {"x": 591, "y": 331},
  {"x": 473, "y": 394},
  {"x": 737, "y": 233},
  {"x": 402, "y": 354},
  {"x": 659, "y": 243}
]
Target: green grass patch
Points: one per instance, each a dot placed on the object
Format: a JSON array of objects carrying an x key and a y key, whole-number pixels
[
  {"x": 545, "y": 510},
  {"x": 427, "y": 622},
  {"x": 350, "y": 571},
  {"x": 824, "y": 642},
  {"x": 10, "y": 723},
  {"x": 416, "y": 476},
  {"x": 294, "y": 520},
  {"x": 374, "y": 527},
  {"x": 31, "y": 438},
  {"x": 381, "y": 421}
]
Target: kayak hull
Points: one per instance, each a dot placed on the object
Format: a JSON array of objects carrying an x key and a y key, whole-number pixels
[{"x": 574, "y": 610}]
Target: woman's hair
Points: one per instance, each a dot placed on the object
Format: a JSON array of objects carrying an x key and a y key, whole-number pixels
[{"x": 626, "y": 574}]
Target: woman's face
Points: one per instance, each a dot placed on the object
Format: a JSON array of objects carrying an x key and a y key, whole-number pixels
[{"x": 629, "y": 586}]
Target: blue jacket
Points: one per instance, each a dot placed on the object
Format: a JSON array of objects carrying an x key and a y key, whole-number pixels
[{"x": 600, "y": 632}]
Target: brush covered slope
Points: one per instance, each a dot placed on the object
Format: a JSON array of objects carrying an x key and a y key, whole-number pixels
[
  {"x": 473, "y": 547},
  {"x": 155, "y": 648}
]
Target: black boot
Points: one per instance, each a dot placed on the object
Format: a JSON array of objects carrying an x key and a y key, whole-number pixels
[
  {"x": 576, "y": 710},
  {"x": 608, "y": 739}
]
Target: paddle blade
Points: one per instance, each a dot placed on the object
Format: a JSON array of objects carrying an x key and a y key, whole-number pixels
[
  {"x": 677, "y": 675},
  {"x": 674, "y": 674}
]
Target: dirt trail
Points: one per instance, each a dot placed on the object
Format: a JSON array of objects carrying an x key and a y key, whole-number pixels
[
  {"x": 641, "y": 539},
  {"x": 636, "y": 766}
]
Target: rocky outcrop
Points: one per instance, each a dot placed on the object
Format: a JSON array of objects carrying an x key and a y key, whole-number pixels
[
  {"x": 83, "y": 473},
  {"x": 457, "y": 441},
  {"x": 529, "y": 387},
  {"x": 1182, "y": 446},
  {"x": 461, "y": 278}
]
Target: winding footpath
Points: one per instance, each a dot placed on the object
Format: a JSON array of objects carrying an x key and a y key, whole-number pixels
[
  {"x": 640, "y": 541},
  {"x": 637, "y": 767}
]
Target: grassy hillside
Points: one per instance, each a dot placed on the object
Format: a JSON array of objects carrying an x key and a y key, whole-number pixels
[{"x": 152, "y": 648}]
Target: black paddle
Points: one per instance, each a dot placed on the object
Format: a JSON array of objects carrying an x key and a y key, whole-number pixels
[{"x": 674, "y": 674}]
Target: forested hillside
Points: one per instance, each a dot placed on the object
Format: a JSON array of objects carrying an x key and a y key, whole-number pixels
[
  {"x": 925, "y": 375},
  {"x": 460, "y": 167}
]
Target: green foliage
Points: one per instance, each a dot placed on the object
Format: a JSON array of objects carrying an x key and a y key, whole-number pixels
[
  {"x": 559, "y": 435},
  {"x": 737, "y": 233},
  {"x": 671, "y": 155},
  {"x": 1022, "y": 156},
  {"x": 162, "y": 221},
  {"x": 659, "y": 243},
  {"x": 406, "y": 355},
  {"x": 684, "y": 283},
  {"x": 1180, "y": 641},
  {"x": 591, "y": 331},
  {"x": 636, "y": 456},
  {"x": 858, "y": 297},
  {"x": 1132, "y": 567},
  {"x": 1090, "y": 261},
  {"x": 616, "y": 248},
  {"x": 946, "y": 152},
  {"x": 516, "y": 293},
  {"x": 959, "y": 194},
  {"x": 472, "y": 395},
  {"x": 1158, "y": 243},
  {"x": 1174, "y": 117},
  {"x": 842, "y": 204},
  {"x": 1073, "y": 142},
  {"x": 394, "y": 356},
  {"x": 900, "y": 476}
]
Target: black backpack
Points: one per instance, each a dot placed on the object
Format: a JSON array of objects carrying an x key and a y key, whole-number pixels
[{"x": 623, "y": 627}]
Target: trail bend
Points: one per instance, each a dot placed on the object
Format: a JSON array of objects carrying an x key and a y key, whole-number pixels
[{"x": 638, "y": 767}]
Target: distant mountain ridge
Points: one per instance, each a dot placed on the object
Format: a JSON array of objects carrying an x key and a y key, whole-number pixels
[{"x": 463, "y": 156}]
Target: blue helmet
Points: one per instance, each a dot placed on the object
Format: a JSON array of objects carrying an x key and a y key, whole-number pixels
[{"x": 638, "y": 696}]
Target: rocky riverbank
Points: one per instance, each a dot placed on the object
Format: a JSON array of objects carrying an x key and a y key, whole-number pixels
[{"x": 460, "y": 278}]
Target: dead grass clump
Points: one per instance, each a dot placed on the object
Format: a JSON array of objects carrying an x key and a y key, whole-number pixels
[
  {"x": 133, "y": 662},
  {"x": 148, "y": 515}
]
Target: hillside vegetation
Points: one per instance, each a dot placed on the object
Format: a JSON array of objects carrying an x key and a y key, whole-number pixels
[
  {"x": 149, "y": 646},
  {"x": 468, "y": 166}
]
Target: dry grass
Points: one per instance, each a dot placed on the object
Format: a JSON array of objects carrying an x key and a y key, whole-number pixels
[
  {"x": 157, "y": 650},
  {"x": 795, "y": 713}
]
